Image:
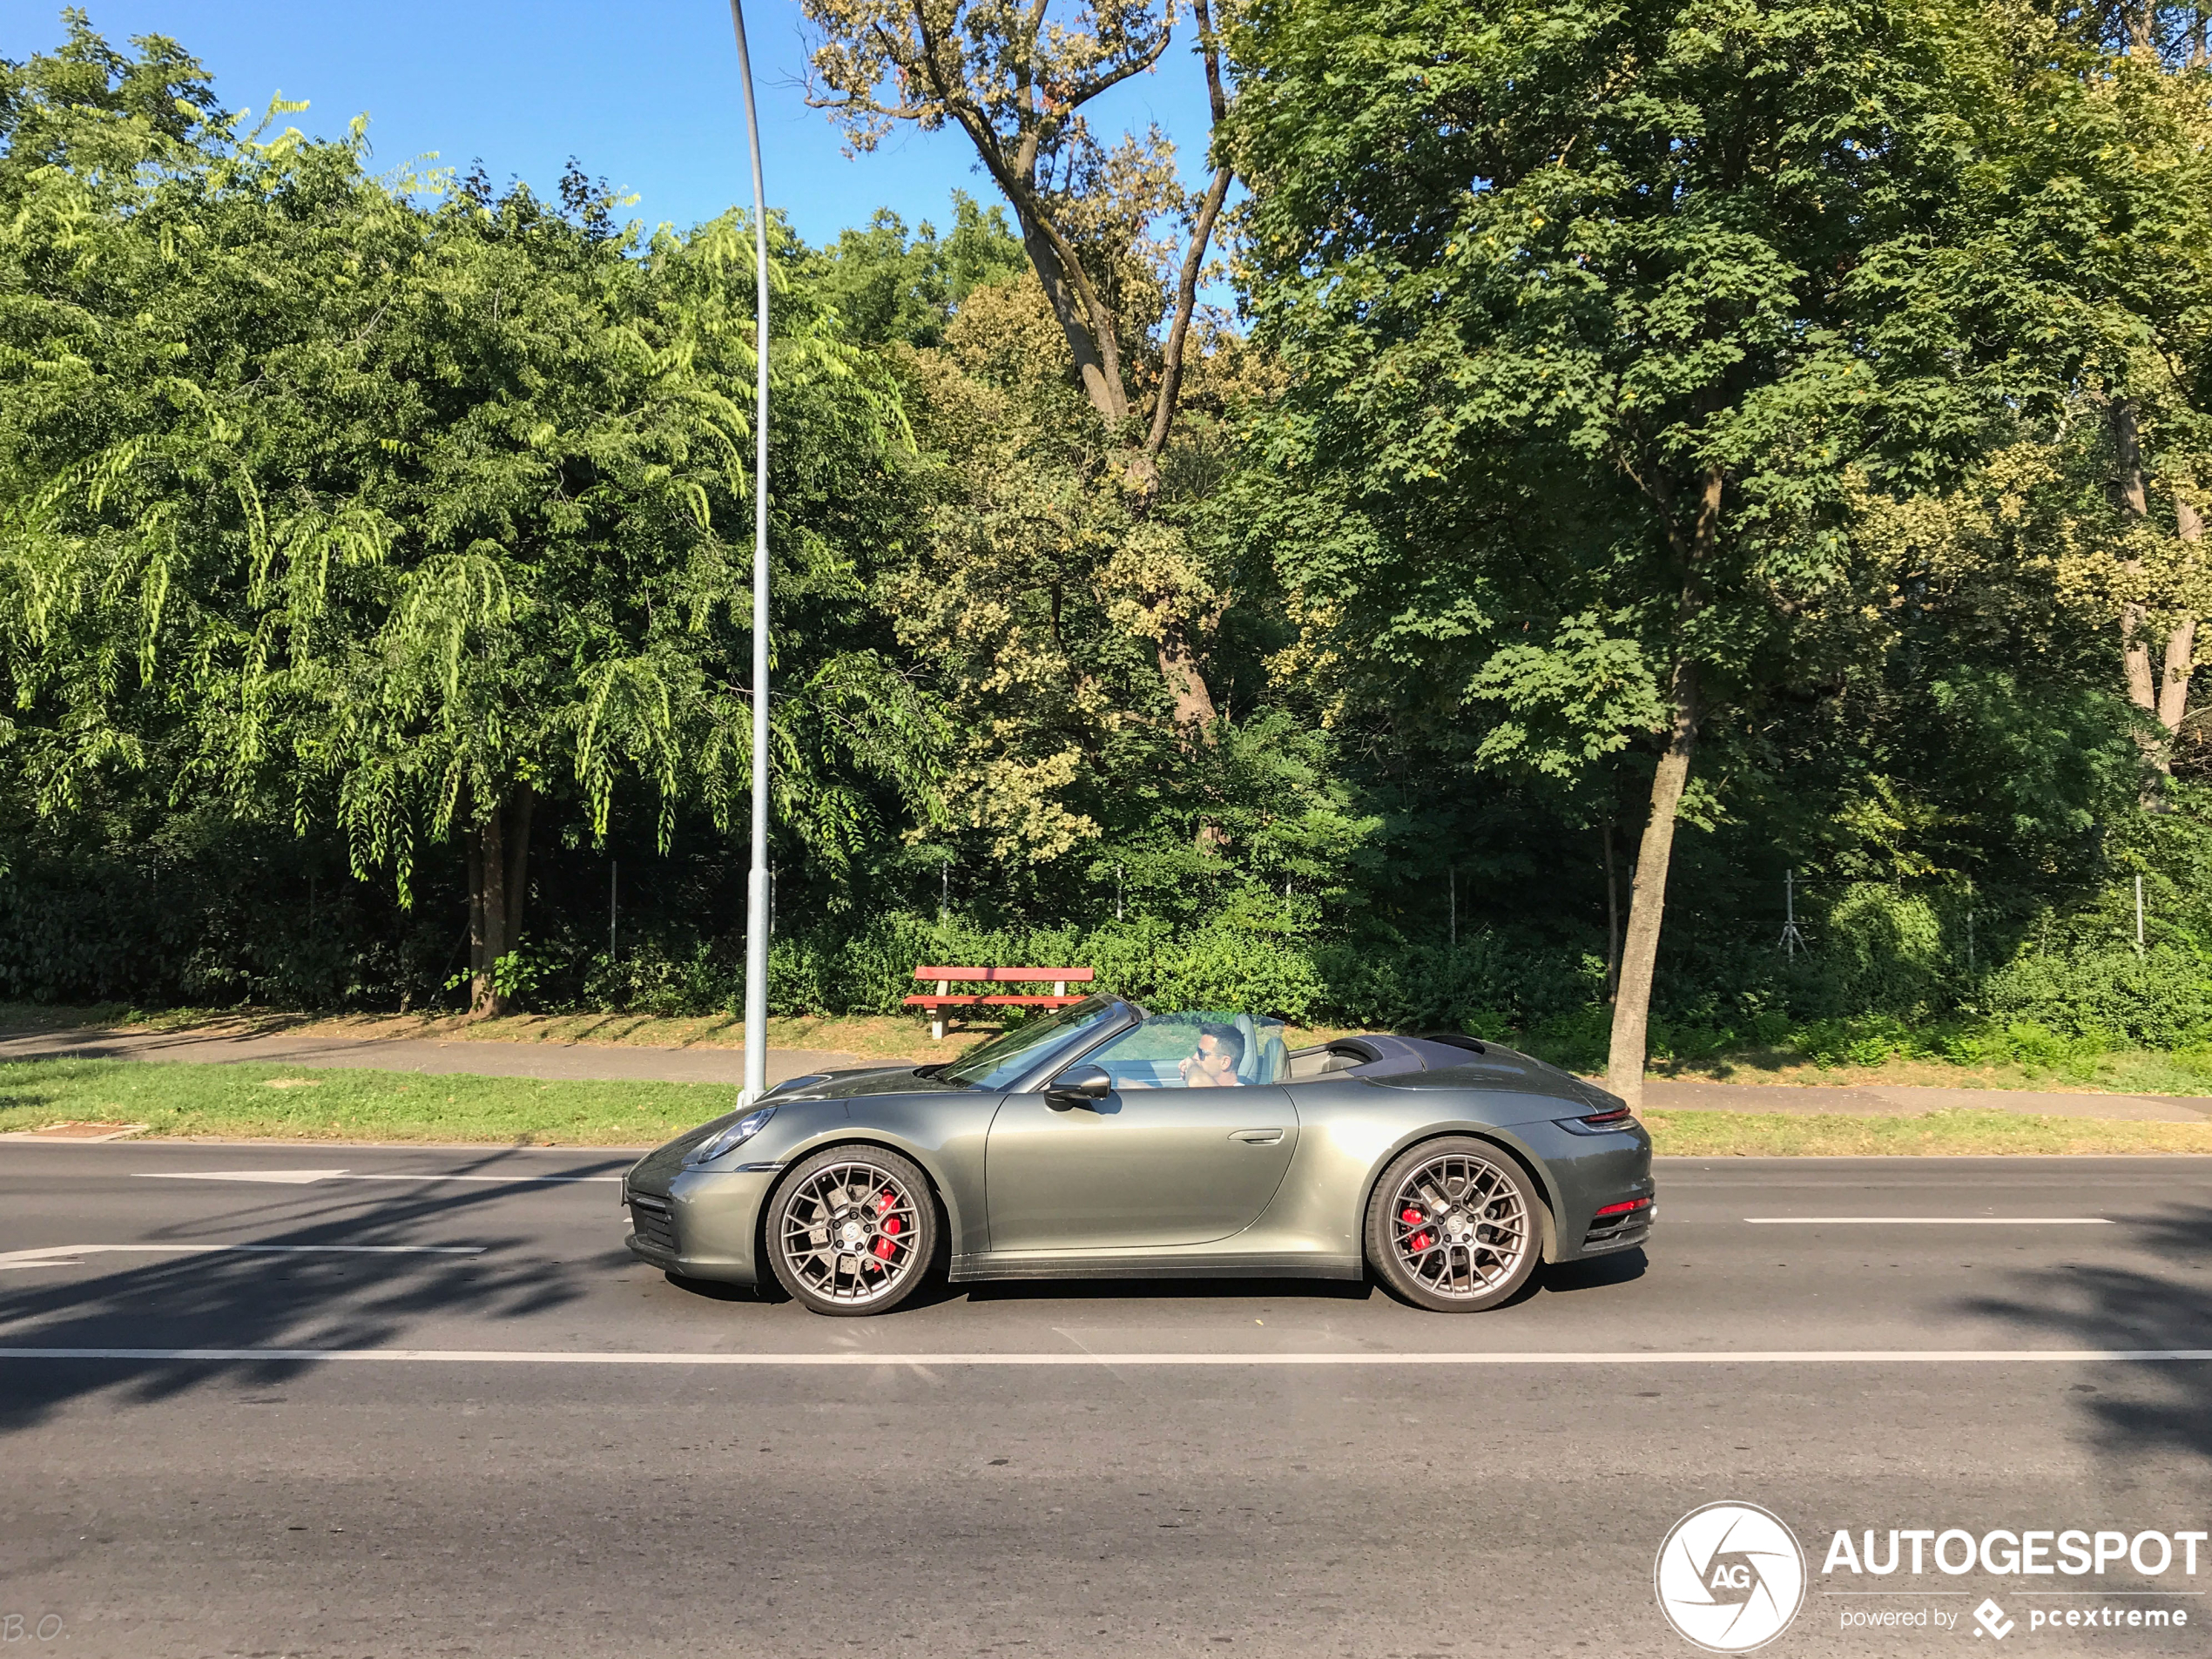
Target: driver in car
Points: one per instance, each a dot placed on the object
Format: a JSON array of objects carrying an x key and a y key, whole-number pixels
[{"x": 1213, "y": 1065}]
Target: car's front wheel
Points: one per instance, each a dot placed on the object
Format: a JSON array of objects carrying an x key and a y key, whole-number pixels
[
  {"x": 1453, "y": 1225},
  {"x": 852, "y": 1230}
]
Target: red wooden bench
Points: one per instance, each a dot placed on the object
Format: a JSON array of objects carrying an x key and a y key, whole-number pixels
[{"x": 1061, "y": 978}]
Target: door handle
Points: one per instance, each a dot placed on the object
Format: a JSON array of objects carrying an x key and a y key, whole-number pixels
[{"x": 1257, "y": 1136}]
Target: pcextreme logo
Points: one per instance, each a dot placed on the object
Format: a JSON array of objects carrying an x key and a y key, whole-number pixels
[{"x": 1729, "y": 1577}]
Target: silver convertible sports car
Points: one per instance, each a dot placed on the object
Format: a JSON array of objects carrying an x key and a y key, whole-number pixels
[{"x": 1105, "y": 1142}]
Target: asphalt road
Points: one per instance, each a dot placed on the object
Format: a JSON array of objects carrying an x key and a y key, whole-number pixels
[{"x": 1269, "y": 1468}]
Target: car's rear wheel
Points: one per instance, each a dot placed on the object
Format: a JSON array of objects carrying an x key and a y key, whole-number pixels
[
  {"x": 852, "y": 1230},
  {"x": 1453, "y": 1225}
]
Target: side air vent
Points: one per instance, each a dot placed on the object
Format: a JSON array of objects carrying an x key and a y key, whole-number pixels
[{"x": 650, "y": 1220}]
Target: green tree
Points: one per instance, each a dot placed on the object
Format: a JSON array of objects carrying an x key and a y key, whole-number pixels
[
  {"x": 1578, "y": 305},
  {"x": 887, "y": 284},
  {"x": 2078, "y": 258},
  {"x": 1017, "y": 80},
  {"x": 407, "y": 507}
]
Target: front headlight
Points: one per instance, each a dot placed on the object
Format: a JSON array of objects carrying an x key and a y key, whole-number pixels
[{"x": 732, "y": 1137}]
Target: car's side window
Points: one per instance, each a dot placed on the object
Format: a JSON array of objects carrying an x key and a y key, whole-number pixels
[{"x": 1193, "y": 1051}]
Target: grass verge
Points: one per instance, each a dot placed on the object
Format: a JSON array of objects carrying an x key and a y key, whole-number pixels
[
  {"x": 278, "y": 1102},
  {"x": 1955, "y": 1134},
  {"x": 1882, "y": 1059},
  {"x": 2125, "y": 1071}
]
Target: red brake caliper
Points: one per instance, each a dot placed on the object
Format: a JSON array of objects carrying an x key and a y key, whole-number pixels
[
  {"x": 885, "y": 1250},
  {"x": 1411, "y": 1218}
]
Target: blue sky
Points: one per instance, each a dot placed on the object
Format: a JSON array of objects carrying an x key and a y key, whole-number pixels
[{"x": 644, "y": 93}]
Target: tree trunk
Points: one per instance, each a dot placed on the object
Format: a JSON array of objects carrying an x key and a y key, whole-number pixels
[
  {"x": 2131, "y": 501},
  {"x": 1194, "y": 710},
  {"x": 518, "y": 857},
  {"x": 498, "y": 858},
  {"x": 475, "y": 859},
  {"x": 1612, "y": 918},
  {"x": 2181, "y": 644},
  {"x": 1648, "y": 895},
  {"x": 1095, "y": 359},
  {"x": 491, "y": 876}
]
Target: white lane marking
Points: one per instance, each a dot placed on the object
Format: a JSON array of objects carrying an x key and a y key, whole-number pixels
[
  {"x": 1929, "y": 1221},
  {"x": 498, "y": 1180},
  {"x": 284, "y": 1178},
  {"x": 306, "y": 1177},
  {"x": 66, "y": 1255},
  {"x": 848, "y": 1358}
]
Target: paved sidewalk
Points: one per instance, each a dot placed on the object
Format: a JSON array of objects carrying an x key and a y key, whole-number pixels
[
  {"x": 1661, "y": 1094},
  {"x": 582, "y": 1061}
]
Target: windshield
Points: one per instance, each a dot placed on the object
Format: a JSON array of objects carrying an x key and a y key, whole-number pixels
[{"x": 1002, "y": 1060}]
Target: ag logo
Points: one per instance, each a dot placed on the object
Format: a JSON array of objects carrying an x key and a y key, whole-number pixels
[{"x": 1729, "y": 1577}]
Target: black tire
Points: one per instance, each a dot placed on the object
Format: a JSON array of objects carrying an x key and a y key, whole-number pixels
[
  {"x": 1454, "y": 1225},
  {"x": 851, "y": 1230}
]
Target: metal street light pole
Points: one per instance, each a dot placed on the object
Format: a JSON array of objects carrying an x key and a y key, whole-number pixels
[{"x": 755, "y": 897}]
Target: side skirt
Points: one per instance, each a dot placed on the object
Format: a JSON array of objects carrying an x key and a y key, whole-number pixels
[{"x": 965, "y": 1268}]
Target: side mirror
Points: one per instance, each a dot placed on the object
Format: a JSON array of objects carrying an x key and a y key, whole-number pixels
[{"x": 1078, "y": 1088}]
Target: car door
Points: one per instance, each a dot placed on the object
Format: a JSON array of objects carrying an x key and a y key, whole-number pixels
[{"x": 1138, "y": 1170}]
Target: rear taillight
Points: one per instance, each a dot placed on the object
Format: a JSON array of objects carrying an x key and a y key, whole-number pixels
[
  {"x": 1626, "y": 1206},
  {"x": 1602, "y": 1123}
]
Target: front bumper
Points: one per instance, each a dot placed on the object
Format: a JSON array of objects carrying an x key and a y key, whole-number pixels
[{"x": 705, "y": 1224}]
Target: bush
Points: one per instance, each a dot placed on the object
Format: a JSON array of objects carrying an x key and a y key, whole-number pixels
[
  {"x": 2027, "y": 1043},
  {"x": 209, "y": 912},
  {"x": 1886, "y": 951},
  {"x": 1489, "y": 983},
  {"x": 2161, "y": 999}
]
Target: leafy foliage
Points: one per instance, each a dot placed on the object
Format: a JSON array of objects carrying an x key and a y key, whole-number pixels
[
  {"x": 390, "y": 505},
  {"x": 1810, "y": 397}
]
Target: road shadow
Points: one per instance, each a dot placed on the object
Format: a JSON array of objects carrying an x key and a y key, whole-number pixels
[
  {"x": 230, "y": 1300},
  {"x": 1147, "y": 1289},
  {"x": 2157, "y": 1408},
  {"x": 1595, "y": 1273},
  {"x": 1558, "y": 1279},
  {"x": 28, "y": 1040},
  {"x": 711, "y": 1290}
]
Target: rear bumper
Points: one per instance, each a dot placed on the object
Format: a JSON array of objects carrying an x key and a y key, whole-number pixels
[
  {"x": 1620, "y": 1232},
  {"x": 1589, "y": 1172},
  {"x": 707, "y": 1226}
]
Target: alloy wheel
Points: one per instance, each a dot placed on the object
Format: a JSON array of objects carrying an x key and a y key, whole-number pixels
[
  {"x": 851, "y": 1232},
  {"x": 1459, "y": 1227}
]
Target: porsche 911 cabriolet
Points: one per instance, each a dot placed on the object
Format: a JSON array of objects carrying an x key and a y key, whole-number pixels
[{"x": 1103, "y": 1141}]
